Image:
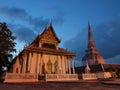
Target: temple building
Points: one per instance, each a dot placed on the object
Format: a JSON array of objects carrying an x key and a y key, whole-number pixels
[
  {"x": 92, "y": 55},
  {"x": 43, "y": 56}
]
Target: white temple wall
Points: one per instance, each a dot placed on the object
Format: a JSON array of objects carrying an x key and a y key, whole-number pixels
[
  {"x": 34, "y": 60},
  {"x": 33, "y": 63}
]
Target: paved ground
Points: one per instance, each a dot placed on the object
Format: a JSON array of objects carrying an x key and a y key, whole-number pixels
[
  {"x": 113, "y": 82},
  {"x": 60, "y": 86}
]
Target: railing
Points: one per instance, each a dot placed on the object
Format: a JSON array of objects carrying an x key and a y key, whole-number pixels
[
  {"x": 104, "y": 75},
  {"x": 89, "y": 76},
  {"x": 61, "y": 77},
  {"x": 15, "y": 77}
]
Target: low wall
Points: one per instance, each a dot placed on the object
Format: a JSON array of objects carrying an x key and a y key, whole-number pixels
[
  {"x": 104, "y": 75},
  {"x": 89, "y": 76},
  {"x": 61, "y": 77},
  {"x": 15, "y": 77}
]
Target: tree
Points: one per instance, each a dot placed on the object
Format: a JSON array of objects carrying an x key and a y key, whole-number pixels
[{"x": 7, "y": 45}]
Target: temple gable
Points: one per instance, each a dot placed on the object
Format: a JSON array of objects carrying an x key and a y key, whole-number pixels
[
  {"x": 47, "y": 39},
  {"x": 49, "y": 36}
]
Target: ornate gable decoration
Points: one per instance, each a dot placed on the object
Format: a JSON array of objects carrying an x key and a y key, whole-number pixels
[
  {"x": 49, "y": 36},
  {"x": 48, "y": 39}
]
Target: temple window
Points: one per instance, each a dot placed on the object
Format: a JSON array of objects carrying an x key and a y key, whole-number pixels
[{"x": 46, "y": 45}]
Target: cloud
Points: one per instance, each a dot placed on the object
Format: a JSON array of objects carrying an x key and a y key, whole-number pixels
[
  {"x": 106, "y": 37},
  {"x": 21, "y": 14},
  {"x": 22, "y": 33},
  {"x": 39, "y": 23},
  {"x": 14, "y": 13},
  {"x": 114, "y": 60},
  {"x": 25, "y": 34},
  {"x": 78, "y": 45},
  {"x": 58, "y": 17},
  {"x": 24, "y": 26},
  {"x": 57, "y": 20}
]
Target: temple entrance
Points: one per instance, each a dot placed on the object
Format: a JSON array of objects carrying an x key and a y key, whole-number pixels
[
  {"x": 52, "y": 68},
  {"x": 49, "y": 66}
]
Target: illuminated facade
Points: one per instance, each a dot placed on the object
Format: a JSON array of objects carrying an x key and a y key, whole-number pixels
[{"x": 43, "y": 56}]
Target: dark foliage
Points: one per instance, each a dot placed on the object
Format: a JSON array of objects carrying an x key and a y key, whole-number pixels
[
  {"x": 7, "y": 45},
  {"x": 110, "y": 69}
]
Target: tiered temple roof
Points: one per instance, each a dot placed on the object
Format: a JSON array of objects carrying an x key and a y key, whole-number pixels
[{"x": 47, "y": 42}]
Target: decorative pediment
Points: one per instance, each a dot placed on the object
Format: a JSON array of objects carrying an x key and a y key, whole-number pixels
[
  {"x": 48, "y": 39},
  {"x": 49, "y": 35}
]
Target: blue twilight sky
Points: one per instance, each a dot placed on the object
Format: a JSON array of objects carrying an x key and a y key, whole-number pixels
[{"x": 27, "y": 18}]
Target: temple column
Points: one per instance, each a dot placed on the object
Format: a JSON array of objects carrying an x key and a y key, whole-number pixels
[
  {"x": 21, "y": 65},
  {"x": 32, "y": 63},
  {"x": 61, "y": 65},
  {"x": 29, "y": 62},
  {"x": 35, "y": 60},
  {"x": 58, "y": 72},
  {"x": 38, "y": 63},
  {"x": 24, "y": 62},
  {"x": 30, "y": 57},
  {"x": 69, "y": 65},
  {"x": 41, "y": 63},
  {"x": 66, "y": 65},
  {"x": 73, "y": 68},
  {"x": 53, "y": 69}
]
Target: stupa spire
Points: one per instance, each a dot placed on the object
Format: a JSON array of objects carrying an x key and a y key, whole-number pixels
[
  {"x": 92, "y": 54},
  {"x": 90, "y": 37}
]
